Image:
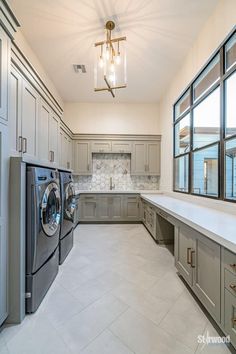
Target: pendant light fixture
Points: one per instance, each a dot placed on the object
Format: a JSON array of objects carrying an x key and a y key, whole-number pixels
[{"x": 110, "y": 62}]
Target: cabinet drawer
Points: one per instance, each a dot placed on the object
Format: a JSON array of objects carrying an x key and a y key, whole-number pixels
[
  {"x": 121, "y": 146},
  {"x": 229, "y": 260},
  {"x": 230, "y": 316},
  {"x": 230, "y": 282},
  {"x": 101, "y": 146}
]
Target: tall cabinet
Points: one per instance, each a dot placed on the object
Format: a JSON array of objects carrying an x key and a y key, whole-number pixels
[{"x": 8, "y": 25}]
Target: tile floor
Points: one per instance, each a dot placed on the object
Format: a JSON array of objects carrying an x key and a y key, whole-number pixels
[{"x": 116, "y": 293}]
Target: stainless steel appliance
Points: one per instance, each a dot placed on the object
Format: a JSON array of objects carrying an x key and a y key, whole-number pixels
[
  {"x": 68, "y": 211},
  {"x": 43, "y": 231}
]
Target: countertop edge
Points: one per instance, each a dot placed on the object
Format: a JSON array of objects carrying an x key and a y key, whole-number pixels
[{"x": 206, "y": 232}]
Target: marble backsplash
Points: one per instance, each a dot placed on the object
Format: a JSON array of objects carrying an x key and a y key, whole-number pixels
[{"x": 116, "y": 166}]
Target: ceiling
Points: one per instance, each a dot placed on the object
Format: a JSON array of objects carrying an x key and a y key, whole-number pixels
[{"x": 159, "y": 34}]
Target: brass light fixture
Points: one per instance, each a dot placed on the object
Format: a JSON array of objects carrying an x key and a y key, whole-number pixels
[{"x": 110, "y": 62}]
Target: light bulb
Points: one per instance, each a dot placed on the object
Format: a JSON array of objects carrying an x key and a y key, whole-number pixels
[
  {"x": 107, "y": 53},
  {"x": 112, "y": 67},
  {"x": 118, "y": 59},
  {"x": 101, "y": 63},
  {"x": 112, "y": 78}
]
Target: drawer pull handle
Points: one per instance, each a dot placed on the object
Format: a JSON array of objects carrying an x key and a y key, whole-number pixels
[
  {"x": 233, "y": 287},
  {"x": 191, "y": 258},
  {"x": 233, "y": 321},
  {"x": 233, "y": 266},
  {"x": 188, "y": 258}
]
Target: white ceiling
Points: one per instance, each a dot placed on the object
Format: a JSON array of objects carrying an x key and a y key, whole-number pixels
[{"x": 159, "y": 35}]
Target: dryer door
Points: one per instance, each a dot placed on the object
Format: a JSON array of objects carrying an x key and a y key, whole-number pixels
[
  {"x": 51, "y": 209},
  {"x": 69, "y": 202}
]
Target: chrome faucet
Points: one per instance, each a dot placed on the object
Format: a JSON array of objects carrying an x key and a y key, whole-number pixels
[{"x": 112, "y": 186}]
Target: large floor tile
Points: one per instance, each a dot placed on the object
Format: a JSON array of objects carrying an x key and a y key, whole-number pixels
[
  {"x": 107, "y": 343},
  {"x": 169, "y": 287},
  {"x": 96, "y": 288},
  {"x": 81, "y": 329},
  {"x": 185, "y": 321},
  {"x": 141, "y": 301},
  {"x": 38, "y": 336},
  {"x": 143, "y": 336}
]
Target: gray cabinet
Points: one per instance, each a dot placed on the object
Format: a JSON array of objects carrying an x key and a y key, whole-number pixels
[
  {"x": 101, "y": 146},
  {"x": 4, "y": 64},
  {"x": 54, "y": 124},
  {"x": 184, "y": 243},
  {"x": 197, "y": 259},
  {"x": 88, "y": 208},
  {"x": 145, "y": 158},
  {"x": 30, "y": 100},
  {"x": 206, "y": 274},
  {"x": 4, "y": 161},
  {"x": 23, "y": 118},
  {"x": 149, "y": 218},
  {"x": 65, "y": 150},
  {"x": 117, "y": 208},
  {"x": 104, "y": 204},
  {"x": 109, "y": 207},
  {"x": 131, "y": 208},
  {"x": 121, "y": 146},
  {"x": 82, "y": 157}
]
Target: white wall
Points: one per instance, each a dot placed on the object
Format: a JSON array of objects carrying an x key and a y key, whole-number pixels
[
  {"x": 112, "y": 118},
  {"x": 213, "y": 33},
  {"x": 22, "y": 43}
]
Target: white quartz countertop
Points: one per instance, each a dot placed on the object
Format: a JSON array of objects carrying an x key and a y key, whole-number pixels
[
  {"x": 218, "y": 226},
  {"x": 114, "y": 191}
]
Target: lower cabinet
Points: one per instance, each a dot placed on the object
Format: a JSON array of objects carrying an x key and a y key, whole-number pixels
[
  {"x": 108, "y": 207},
  {"x": 149, "y": 218},
  {"x": 198, "y": 260}
]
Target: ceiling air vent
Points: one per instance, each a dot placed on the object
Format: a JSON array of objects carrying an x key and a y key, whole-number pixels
[{"x": 79, "y": 68}]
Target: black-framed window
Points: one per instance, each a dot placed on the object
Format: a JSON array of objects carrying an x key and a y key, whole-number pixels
[{"x": 205, "y": 129}]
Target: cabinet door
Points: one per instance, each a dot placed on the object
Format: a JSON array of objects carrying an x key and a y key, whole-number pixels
[
  {"x": 153, "y": 158},
  {"x": 43, "y": 132},
  {"x": 101, "y": 146},
  {"x": 15, "y": 113},
  {"x": 4, "y": 55},
  {"x": 69, "y": 152},
  {"x": 120, "y": 146},
  {"x": 131, "y": 208},
  {"x": 3, "y": 220},
  {"x": 230, "y": 315},
  {"x": 206, "y": 282},
  {"x": 104, "y": 207},
  {"x": 63, "y": 149},
  {"x": 29, "y": 121},
  {"x": 138, "y": 159},
  {"x": 88, "y": 208},
  {"x": 53, "y": 138},
  {"x": 116, "y": 207},
  {"x": 184, "y": 243},
  {"x": 82, "y": 158}
]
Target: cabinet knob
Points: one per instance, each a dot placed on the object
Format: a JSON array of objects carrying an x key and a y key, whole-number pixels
[
  {"x": 233, "y": 287},
  {"x": 233, "y": 266}
]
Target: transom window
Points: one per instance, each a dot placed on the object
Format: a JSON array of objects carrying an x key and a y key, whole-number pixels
[{"x": 205, "y": 129}]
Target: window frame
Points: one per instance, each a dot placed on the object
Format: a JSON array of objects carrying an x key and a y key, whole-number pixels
[{"x": 224, "y": 74}]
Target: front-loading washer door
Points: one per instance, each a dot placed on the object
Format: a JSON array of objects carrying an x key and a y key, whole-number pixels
[
  {"x": 51, "y": 209},
  {"x": 69, "y": 202}
]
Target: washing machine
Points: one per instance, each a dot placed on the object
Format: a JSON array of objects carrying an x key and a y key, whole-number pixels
[
  {"x": 68, "y": 211},
  {"x": 42, "y": 234}
]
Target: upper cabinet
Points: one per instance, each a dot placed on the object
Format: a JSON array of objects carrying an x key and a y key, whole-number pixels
[
  {"x": 82, "y": 157},
  {"x": 48, "y": 134},
  {"x": 65, "y": 150},
  {"x": 145, "y": 158},
  {"x": 4, "y": 64},
  {"x": 23, "y": 117},
  {"x": 34, "y": 127}
]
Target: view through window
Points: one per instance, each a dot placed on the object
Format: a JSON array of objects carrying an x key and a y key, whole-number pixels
[{"x": 205, "y": 129}]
